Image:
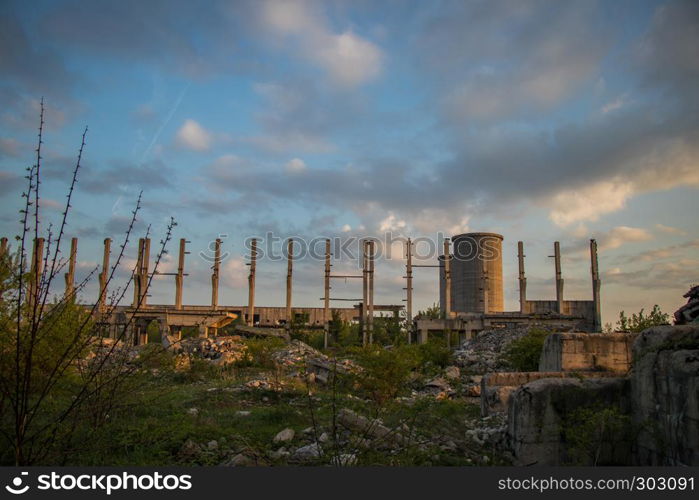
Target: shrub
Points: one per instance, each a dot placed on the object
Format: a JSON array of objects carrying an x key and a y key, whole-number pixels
[
  {"x": 523, "y": 354},
  {"x": 639, "y": 322},
  {"x": 385, "y": 373}
]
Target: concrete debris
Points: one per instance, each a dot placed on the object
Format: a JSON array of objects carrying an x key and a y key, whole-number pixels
[
  {"x": 482, "y": 354},
  {"x": 308, "y": 452}
]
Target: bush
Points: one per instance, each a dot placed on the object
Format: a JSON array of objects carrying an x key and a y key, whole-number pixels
[
  {"x": 259, "y": 352},
  {"x": 639, "y": 322},
  {"x": 523, "y": 354},
  {"x": 385, "y": 373}
]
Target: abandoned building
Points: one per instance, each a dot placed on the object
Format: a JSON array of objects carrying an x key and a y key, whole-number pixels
[{"x": 471, "y": 294}]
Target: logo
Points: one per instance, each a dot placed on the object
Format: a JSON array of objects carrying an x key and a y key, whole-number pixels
[{"x": 16, "y": 489}]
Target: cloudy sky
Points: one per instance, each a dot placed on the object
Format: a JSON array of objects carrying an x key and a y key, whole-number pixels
[{"x": 539, "y": 120}]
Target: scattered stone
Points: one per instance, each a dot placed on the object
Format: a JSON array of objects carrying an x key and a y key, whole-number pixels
[
  {"x": 452, "y": 372},
  {"x": 243, "y": 413},
  {"x": 212, "y": 445},
  {"x": 284, "y": 436},
  {"x": 308, "y": 452},
  {"x": 189, "y": 450},
  {"x": 280, "y": 454},
  {"x": 324, "y": 438},
  {"x": 193, "y": 411}
]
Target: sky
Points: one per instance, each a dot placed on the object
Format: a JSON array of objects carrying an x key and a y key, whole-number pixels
[{"x": 543, "y": 121}]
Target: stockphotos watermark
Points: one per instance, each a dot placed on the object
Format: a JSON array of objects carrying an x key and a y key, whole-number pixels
[
  {"x": 386, "y": 247},
  {"x": 106, "y": 483}
]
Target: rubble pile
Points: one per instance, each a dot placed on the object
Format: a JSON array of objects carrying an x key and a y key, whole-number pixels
[
  {"x": 482, "y": 354},
  {"x": 222, "y": 350},
  {"x": 300, "y": 357}
]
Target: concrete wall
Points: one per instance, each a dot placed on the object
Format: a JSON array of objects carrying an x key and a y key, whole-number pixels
[
  {"x": 496, "y": 388},
  {"x": 665, "y": 395},
  {"x": 587, "y": 352}
]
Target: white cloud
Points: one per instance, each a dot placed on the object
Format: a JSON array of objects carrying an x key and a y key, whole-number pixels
[
  {"x": 192, "y": 135},
  {"x": 295, "y": 166},
  {"x": 617, "y": 103},
  {"x": 346, "y": 228},
  {"x": 391, "y": 223},
  {"x": 348, "y": 59},
  {"x": 669, "y": 229},
  {"x": 589, "y": 203},
  {"x": 621, "y": 235}
]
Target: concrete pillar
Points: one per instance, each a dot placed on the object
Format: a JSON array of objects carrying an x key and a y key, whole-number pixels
[
  {"x": 522, "y": 279},
  {"x": 144, "y": 272},
  {"x": 215, "y": 275},
  {"x": 409, "y": 288},
  {"x": 326, "y": 295},
  {"x": 104, "y": 275},
  {"x": 370, "y": 311},
  {"x": 596, "y": 284},
  {"x": 3, "y": 247},
  {"x": 137, "y": 274},
  {"x": 251, "y": 283},
  {"x": 289, "y": 271},
  {"x": 36, "y": 271},
  {"x": 179, "y": 277},
  {"x": 424, "y": 335},
  {"x": 365, "y": 293},
  {"x": 559, "y": 276},
  {"x": 447, "y": 279},
  {"x": 70, "y": 275},
  {"x": 203, "y": 331}
]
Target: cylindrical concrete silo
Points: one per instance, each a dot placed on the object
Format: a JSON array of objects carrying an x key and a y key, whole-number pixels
[{"x": 477, "y": 266}]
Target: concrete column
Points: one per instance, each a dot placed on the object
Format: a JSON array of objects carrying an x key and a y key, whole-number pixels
[
  {"x": 137, "y": 274},
  {"x": 447, "y": 279},
  {"x": 70, "y": 275},
  {"x": 559, "y": 277},
  {"x": 596, "y": 285},
  {"x": 179, "y": 277},
  {"x": 3, "y": 247},
  {"x": 326, "y": 296},
  {"x": 289, "y": 272},
  {"x": 36, "y": 270},
  {"x": 424, "y": 335},
  {"x": 522, "y": 279},
  {"x": 365, "y": 293},
  {"x": 251, "y": 283},
  {"x": 104, "y": 275},
  {"x": 409, "y": 288},
  {"x": 370, "y": 311},
  {"x": 215, "y": 275},
  {"x": 144, "y": 272}
]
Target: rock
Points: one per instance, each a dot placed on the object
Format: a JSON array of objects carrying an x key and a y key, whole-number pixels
[
  {"x": 284, "y": 436},
  {"x": 242, "y": 413},
  {"x": 212, "y": 445},
  {"x": 452, "y": 372},
  {"x": 280, "y": 454},
  {"x": 182, "y": 363},
  {"x": 307, "y": 430},
  {"x": 370, "y": 428},
  {"x": 189, "y": 450},
  {"x": 344, "y": 460},
  {"x": 193, "y": 411},
  {"x": 438, "y": 383},
  {"x": 324, "y": 438},
  {"x": 240, "y": 460},
  {"x": 308, "y": 452}
]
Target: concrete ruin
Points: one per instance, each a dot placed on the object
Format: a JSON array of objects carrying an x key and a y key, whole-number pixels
[{"x": 471, "y": 292}]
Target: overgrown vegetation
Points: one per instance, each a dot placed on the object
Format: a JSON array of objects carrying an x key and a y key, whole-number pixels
[
  {"x": 523, "y": 354},
  {"x": 641, "y": 321},
  {"x": 598, "y": 435}
]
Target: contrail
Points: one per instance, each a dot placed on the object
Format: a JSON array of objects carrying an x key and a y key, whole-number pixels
[{"x": 165, "y": 122}]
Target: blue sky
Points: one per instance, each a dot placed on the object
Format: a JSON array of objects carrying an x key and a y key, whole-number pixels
[{"x": 539, "y": 120}]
